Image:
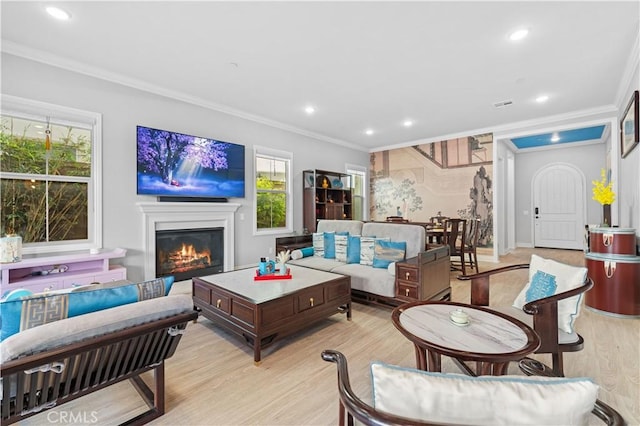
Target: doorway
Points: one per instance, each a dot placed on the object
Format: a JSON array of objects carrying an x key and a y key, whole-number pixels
[{"x": 559, "y": 206}]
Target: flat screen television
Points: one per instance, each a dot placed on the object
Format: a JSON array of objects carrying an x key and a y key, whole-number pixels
[{"x": 172, "y": 164}]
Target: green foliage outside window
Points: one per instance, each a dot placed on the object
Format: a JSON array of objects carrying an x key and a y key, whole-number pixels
[
  {"x": 271, "y": 205},
  {"x": 44, "y": 193}
]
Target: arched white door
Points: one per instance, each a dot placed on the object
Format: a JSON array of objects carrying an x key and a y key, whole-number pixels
[{"x": 559, "y": 207}]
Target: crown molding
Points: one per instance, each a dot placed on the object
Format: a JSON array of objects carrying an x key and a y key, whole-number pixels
[
  {"x": 527, "y": 127},
  {"x": 47, "y": 58}
]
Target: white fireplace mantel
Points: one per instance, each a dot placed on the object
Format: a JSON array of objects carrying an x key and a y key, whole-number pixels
[{"x": 186, "y": 215}]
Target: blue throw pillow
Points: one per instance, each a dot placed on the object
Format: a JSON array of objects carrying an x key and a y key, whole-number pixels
[
  {"x": 18, "y": 315},
  {"x": 542, "y": 285},
  {"x": 329, "y": 245},
  {"x": 302, "y": 252},
  {"x": 307, "y": 251},
  {"x": 353, "y": 249},
  {"x": 385, "y": 252}
]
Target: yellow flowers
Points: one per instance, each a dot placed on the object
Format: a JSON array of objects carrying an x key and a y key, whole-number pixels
[{"x": 602, "y": 191}]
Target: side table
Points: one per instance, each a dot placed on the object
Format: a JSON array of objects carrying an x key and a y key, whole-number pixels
[
  {"x": 424, "y": 277},
  {"x": 615, "y": 270},
  {"x": 491, "y": 339}
]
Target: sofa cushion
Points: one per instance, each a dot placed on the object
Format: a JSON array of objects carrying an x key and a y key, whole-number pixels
[
  {"x": 315, "y": 262},
  {"x": 386, "y": 252},
  {"x": 413, "y": 235},
  {"x": 70, "y": 330},
  {"x": 484, "y": 400},
  {"x": 367, "y": 278},
  {"x": 39, "y": 309},
  {"x": 565, "y": 277},
  {"x": 353, "y": 227}
]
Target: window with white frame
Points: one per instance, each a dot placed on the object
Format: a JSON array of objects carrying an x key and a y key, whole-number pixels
[
  {"x": 273, "y": 203},
  {"x": 358, "y": 191},
  {"x": 49, "y": 175}
]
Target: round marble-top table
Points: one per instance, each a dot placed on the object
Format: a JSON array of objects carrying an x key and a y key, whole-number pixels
[{"x": 490, "y": 338}]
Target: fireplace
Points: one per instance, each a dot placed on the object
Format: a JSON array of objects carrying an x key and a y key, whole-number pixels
[
  {"x": 167, "y": 216},
  {"x": 185, "y": 253}
]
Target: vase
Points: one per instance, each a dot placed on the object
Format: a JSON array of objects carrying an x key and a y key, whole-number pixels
[
  {"x": 606, "y": 215},
  {"x": 10, "y": 249},
  {"x": 282, "y": 268}
]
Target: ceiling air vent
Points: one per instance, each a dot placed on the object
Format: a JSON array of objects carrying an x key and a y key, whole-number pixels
[{"x": 502, "y": 104}]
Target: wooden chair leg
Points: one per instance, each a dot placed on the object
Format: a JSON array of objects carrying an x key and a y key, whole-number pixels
[
  {"x": 558, "y": 367},
  {"x": 464, "y": 271},
  {"x": 474, "y": 261}
]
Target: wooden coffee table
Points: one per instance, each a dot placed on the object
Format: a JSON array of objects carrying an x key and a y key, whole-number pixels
[
  {"x": 264, "y": 311},
  {"x": 491, "y": 339}
]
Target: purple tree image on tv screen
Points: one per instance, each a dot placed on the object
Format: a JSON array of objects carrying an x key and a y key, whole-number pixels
[{"x": 172, "y": 163}]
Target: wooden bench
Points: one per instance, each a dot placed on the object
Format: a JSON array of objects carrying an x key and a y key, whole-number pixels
[{"x": 40, "y": 381}]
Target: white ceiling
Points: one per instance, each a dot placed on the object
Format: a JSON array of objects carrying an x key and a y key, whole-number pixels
[{"x": 361, "y": 64}]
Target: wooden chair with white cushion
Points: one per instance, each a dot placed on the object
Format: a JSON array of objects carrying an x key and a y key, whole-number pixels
[
  {"x": 549, "y": 303},
  {"x": 406, "y": 396}
]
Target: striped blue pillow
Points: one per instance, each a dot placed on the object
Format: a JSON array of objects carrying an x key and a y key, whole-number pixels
[{"x": 385, "y": 252}]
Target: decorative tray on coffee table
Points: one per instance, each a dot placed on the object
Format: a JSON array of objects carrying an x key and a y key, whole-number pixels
[{"x": 272, "y": 276}]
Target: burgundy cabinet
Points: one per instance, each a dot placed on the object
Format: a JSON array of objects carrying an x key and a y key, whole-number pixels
[{"x": 615, "y": 270}]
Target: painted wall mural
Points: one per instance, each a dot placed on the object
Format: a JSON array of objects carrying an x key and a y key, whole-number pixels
[{"x": 451, "y": 177}]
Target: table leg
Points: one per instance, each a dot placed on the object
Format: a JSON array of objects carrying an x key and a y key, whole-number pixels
[
  {"x": 434, "y": 361},
  {"x": 256, "y": 351},
  {"x": 421, "y": 358}
]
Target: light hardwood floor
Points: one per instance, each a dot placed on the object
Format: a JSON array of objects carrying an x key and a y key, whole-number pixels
[{"x": 211, "y": 380}]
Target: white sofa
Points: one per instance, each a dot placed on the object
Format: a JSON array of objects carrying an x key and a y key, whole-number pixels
[{"x": 367, "y": 280}]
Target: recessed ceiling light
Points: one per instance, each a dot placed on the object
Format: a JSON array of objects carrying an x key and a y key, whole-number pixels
[
  {"x": 58, "y": 13},
  {"x": 368, "y": 132},
  {"x": 542, "y": 99},
  {"x": 309, "y": 109},
  {"x": 555, "y": 137},
  {"x": 407, "y": 123},
  {"x": 518, "y": 34}
]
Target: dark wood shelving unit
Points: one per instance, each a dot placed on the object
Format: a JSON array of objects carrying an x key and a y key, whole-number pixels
[{"x": 327, "y": 195}]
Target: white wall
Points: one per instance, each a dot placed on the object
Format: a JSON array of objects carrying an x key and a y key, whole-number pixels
[
  {"x": 589, "y": 159},
  {"x": 629, "y": 167},
  {"x": 123, "y": 108}
]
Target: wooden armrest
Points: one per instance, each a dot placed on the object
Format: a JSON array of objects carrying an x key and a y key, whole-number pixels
[
  {"x": 354, "y": 406},
  {"x": 493, "y": 272},
  {"x": 369, "y": 416},
  {"x": 535, "y": 306}
]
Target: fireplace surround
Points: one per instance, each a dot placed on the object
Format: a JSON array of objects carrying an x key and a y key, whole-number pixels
[{"x": 161, "y": 216}]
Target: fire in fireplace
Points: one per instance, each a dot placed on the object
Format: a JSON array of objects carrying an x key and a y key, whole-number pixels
[{"x": 186, "y": 253}]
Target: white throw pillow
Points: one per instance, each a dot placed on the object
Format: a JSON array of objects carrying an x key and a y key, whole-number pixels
[
  {"x": 318, "y": 244},
  {"x": 341, "y": 247},
  {"x": 367, "y": 249},
  {"x": 543, "y": 274},
  {"x": 484, "y": 400}
]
